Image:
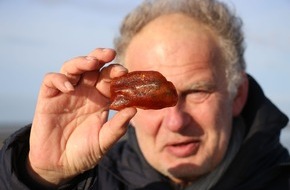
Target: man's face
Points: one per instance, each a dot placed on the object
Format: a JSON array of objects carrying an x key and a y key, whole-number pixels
[{"x": 190, "y": 139}]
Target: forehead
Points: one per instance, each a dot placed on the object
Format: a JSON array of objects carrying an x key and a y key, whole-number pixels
[{"x": 174, "y": 44}]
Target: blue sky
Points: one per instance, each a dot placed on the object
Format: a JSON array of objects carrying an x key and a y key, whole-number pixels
[{"x": 37, "y": 36}]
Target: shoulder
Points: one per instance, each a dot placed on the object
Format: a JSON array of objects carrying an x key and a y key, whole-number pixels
[{"x": 109, "y": 169}]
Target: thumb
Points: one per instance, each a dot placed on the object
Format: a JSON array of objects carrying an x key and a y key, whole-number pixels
[{"x": 115, "y": 128}]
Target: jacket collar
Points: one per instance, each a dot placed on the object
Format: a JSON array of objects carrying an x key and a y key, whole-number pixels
[{"x": 261, "y": 155}]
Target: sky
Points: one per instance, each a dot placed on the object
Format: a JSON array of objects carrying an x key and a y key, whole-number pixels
[{"x": 37, "y": 36}]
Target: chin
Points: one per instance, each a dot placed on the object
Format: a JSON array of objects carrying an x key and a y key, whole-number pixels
[
  {"x": 186, "y": 169},
  {"x": 184, "y": 173}
]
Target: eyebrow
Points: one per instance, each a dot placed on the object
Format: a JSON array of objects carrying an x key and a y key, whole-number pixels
[{"x": 209, "y": 86}]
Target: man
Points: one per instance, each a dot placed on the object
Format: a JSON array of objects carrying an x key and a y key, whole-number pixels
[{"x": 222, "y": 134}]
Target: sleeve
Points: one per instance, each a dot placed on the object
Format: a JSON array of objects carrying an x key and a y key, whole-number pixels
[{"x": 13, "y": 174}]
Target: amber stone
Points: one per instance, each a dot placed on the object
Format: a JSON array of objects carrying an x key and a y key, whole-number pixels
[{"x": 142, "y": 89}]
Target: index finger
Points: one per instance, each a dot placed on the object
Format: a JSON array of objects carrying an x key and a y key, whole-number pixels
[{"x": 94, "y": 61}]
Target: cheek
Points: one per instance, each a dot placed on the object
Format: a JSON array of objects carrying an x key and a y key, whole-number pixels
[
  {"x": 147, "y": 122},
  {"x": 219, "y": 129},
  {"x": 214, "y": 116},
  {"x": 215, "y": 113}
]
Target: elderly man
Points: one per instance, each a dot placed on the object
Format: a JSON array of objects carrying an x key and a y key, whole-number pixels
[{"x": 223, "y": 133}]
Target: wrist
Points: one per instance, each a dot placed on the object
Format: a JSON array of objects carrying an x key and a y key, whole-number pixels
[{"x": 45, "y": 178}]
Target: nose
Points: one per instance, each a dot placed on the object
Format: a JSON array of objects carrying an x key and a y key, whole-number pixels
[{"x": 176, "y": 118}]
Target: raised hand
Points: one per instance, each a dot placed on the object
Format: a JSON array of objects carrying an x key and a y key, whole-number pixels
[{"x": 70, "y": 131}]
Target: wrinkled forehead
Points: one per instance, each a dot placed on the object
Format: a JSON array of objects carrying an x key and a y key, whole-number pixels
[
  {"x": 171, "y": 37},
  {"x": 182, "y": 53},
  {"x": 173, "y": 43}
]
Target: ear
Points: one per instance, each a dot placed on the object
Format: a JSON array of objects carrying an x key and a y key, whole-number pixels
[{"x": 241, "y": 97}]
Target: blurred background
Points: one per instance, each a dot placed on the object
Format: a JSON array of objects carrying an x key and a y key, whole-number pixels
[{"x": 37, "y": 36}]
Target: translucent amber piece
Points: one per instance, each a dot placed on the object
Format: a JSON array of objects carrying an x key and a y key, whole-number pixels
[{"x": 142, "y": 89}]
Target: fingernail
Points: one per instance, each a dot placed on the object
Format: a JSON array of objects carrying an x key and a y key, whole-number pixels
[
  {"x": 68, "y": 86},
  {"x": 107, "y": 49},
  {"x": 91, "y": 58},
  {"x": 121, "y": 69}
]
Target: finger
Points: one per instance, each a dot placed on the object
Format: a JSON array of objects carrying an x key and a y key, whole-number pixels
[
  {"x": 104, "y": 55},
  {"x": 79, "y": 65},
  {"x": 54, "y": 83},
  {"x": 106, "y": 76},
  {"x": 94, "y": 61},
  {"x": 107, "y": 73},
  {"x": 115, "y": 128},
  {"x": 89, "y": 78}
]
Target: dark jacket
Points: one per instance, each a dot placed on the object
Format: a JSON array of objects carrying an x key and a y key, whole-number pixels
[{"x": 261, "y": 163}]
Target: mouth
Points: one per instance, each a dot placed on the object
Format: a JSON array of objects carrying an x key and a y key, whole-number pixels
[{"x": 183, "y": 149}]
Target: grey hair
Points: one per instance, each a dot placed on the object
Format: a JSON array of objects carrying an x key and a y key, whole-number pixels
[{"x": 213, "y": 14}]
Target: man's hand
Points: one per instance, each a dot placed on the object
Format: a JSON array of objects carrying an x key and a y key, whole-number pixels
[{"x": 70, "y": 131}]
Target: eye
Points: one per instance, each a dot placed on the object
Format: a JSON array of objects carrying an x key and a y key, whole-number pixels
[{"x": 196, "y": 96}]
